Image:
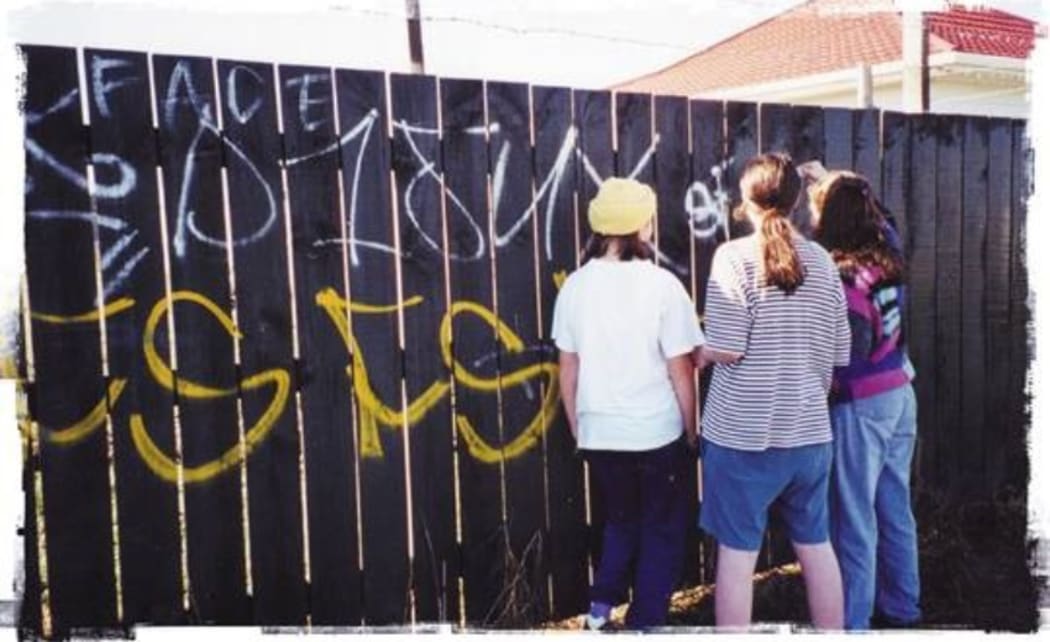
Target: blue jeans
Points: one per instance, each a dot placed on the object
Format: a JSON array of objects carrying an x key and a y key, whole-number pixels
[
  {"x": 648, "y": 507},
  {"x": 872, "y": 525}
]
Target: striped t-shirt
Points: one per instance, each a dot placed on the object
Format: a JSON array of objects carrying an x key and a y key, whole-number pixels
[{"x": 776, "y": 396}]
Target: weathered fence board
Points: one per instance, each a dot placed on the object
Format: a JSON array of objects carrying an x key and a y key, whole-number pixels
[
  {"x": 347, "y": 411},
  {"x": 132, "y": 265},
  {"x": 68, "y": 398},
  {"x": 555, "y": 177},
  {"x": 527, "y": 397},
  {"x": 969, "y": 445},
  {"x": 206, "y": 379}
]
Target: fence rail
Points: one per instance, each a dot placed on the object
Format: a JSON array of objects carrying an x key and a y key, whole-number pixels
[{"x": 287, "y": 353}]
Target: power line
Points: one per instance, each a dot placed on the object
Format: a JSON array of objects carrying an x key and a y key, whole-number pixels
[{"x": 523, "y": 31}]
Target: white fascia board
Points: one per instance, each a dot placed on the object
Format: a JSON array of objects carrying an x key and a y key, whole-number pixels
[{"x": 845, "y": 79}]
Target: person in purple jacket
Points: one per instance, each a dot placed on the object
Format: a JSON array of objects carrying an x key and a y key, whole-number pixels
[{"x": 873, "y": 410}]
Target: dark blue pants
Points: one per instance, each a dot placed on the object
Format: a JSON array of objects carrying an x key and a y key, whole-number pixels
[{"x": 648, "y": 511}]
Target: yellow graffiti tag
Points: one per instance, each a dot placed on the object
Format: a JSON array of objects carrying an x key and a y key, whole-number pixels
[
  {"x": 371, "y": 409},
  {"x": 109, "y": 310},
  {"x": 559, "y": 278},
  {"x": 372, "y": 412},
  {"x": 159, "y": 462},
  {"x": 83, "y": 428},
  {"x": 528, "y": 437}
]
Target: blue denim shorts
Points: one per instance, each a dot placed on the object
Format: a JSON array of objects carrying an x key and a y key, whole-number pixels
[{"x": 740, "y": 487}]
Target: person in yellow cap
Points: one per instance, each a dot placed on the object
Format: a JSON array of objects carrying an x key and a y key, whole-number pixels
[{"x": 626, "y": 330}]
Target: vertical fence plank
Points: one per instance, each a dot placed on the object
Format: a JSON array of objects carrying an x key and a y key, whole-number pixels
[
  {"x": 315, "y": 217},
  {"x": 672, "y": 176},
  {"x": 921, "y": 224},
  {"x": 948, "y": 260},
  {"x": 838, "y": 138},
  {"x": 133, "y": 269},
  {"x": 417, "y": 164},
  {"x": 60, "y": 273},
  {"x": 527, "y": 404},
  {"x": 1021, "y": 354},
  {"x": 775, "y": 129},
  {"x": 371, "y": 329},
  {"x": 191, "y": 157},
  {"x": 971, "y": 443},
  {"x": 634, "y": 136},
  {"x": 996, "y": 313},
  {"x": 263, "y": 301},
  {"x": 464, "y": 152},
  {"x": 742, "y": 126},
  {"x": 896, "y": 170},
  {"x": 708, "y": 206},
  {"x": 866, "y": 143},
  {"x": 554, "y": 180},
  {"x": 595, "y": 162},
  {"x": 595, "y": 159},
  {"x": 807, "y": 143}
]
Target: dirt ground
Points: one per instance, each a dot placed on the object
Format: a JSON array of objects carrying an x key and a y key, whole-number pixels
[{"x": 974, "y": 567}]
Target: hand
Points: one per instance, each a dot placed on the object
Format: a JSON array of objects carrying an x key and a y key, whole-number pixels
[{"x": 692, "y": 439}]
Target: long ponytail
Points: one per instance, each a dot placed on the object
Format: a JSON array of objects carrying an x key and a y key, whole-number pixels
[
  {"x": 781, "y": 264},
  {"x": 771, "y": 184}
]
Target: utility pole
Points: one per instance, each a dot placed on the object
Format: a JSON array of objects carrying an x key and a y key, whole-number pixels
[
  {"x": 865, "y": 91},
  {"x": 415, "y": 35},
  {"x": 916, "y": 73}
]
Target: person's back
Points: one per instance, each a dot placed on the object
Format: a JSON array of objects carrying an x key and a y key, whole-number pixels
[
  {"x": 623, "y": 320},
  {"x": 774, "y": 396}
]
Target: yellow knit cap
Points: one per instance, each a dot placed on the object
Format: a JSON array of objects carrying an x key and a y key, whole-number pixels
[{"x": 621, "y": 206}]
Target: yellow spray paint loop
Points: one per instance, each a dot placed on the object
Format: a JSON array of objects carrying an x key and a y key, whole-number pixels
[
  {"x": 166, "y": 468},
  {"x": 116, "y": 307},
  {"x": 529, "y": 436},
  {"x": 83, "y": 428},
  {"x": 159, "y": 462},
  {"x": 159, "y": 369}
]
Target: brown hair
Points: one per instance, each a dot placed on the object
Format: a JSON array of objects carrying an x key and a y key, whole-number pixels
[
  {"x": 771, "y": 184},
  {"x": 850, "y": 226},
  {"x": 631, "y": 247}
]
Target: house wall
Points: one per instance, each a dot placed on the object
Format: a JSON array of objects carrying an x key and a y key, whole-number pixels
[{"x": 949, "y": 94}]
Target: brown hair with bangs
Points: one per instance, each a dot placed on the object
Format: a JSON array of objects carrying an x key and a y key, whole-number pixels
[
  {"x": 851, "y": 226},
  {"x": 631, "y": 247}
]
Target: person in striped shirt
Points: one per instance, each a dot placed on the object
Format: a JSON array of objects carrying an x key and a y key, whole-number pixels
[
  {"x": 873, "y": 412},
  {"x": 776, "y": 325}
]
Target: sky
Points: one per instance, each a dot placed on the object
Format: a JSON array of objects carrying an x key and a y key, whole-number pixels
[{"x": 579, "y": 43}]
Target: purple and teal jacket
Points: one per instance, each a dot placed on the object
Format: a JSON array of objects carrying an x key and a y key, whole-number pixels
[{"x": 878, "y": 358}]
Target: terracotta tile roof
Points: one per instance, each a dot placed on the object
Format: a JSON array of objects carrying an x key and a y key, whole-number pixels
[{"x": 828, "y": 35}]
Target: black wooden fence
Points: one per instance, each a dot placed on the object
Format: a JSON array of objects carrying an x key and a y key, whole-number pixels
[{"x": 287, "y": 354}]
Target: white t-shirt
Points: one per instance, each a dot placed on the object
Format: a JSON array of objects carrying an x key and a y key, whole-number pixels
[{"x": 625, "y": 319}]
